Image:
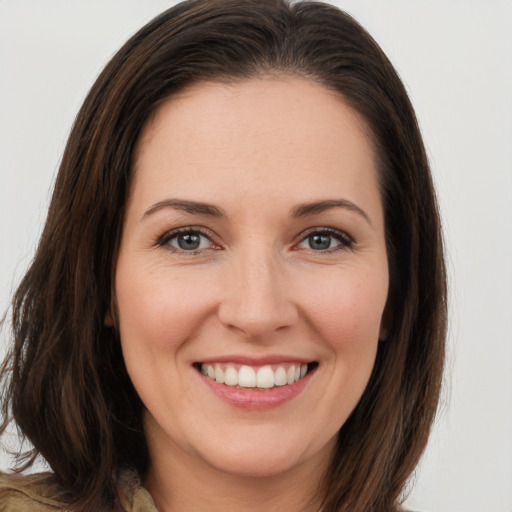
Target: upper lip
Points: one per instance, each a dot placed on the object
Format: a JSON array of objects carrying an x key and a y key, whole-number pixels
[{"x": 255, "y": 361}]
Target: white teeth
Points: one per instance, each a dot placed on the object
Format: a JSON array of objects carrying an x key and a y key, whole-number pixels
[
  {"x": 264, "y": 377},
  {"x": 246, "y": 377},
  {"x": 290, "y": 375},
  {"x": 231, "y": 376},
  {"x": 219, "y": 374},
  {"x": 280, "y": 377}
]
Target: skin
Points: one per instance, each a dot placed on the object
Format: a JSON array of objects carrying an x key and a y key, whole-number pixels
[{"x": 256, "y": 150}]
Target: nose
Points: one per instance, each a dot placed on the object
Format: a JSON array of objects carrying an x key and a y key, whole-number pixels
[{"x": 257, "y": 300}]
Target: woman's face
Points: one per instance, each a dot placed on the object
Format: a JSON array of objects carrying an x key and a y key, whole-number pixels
[{"x": 253, "y": 251}]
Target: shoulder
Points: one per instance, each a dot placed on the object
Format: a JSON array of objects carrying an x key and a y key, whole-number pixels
[
  {"x": 42, "y": 493},
  {"x": 30, "y": 493},
  {"x": 132, "y": 495}
]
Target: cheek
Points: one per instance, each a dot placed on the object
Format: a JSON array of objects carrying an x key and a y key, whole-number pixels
[
  {"x": 156, "y": 310},
  {"x": 346, "y": 315},
  {"x": 348, "y": 307},
  {"x": 158, "y": 315}
]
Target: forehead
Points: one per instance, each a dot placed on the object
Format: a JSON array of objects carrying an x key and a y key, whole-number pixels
[
  {"x": 275, "y": 130},
  {"x": 247, "y": 103}
]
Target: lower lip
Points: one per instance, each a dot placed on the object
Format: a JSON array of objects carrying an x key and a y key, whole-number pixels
[{"x": 245, "y": 398}]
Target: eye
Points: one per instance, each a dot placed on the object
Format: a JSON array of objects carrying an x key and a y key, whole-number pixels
[
  {"x": 186, "y": 240},
  {"x": 325, "y": 240}
]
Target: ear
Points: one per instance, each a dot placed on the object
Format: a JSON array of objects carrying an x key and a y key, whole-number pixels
[
  {"x": 110, "y": 315},
  {"x": 109, "y": 319}
]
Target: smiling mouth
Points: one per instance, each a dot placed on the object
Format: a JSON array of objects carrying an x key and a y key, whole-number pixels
[{"x": 268, "y": 376}]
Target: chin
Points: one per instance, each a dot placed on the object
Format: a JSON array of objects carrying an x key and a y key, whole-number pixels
[
  {"x": 265, "y": 453},
  {"x": 254, "y": 462}
]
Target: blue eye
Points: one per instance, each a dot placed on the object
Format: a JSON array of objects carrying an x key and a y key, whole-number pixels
[
  {"x": 188, "y": 241},
  {"x": 325, "y": 240}
]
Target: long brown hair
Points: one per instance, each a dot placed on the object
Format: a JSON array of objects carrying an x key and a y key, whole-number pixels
[{"x": 67, "y": 388}]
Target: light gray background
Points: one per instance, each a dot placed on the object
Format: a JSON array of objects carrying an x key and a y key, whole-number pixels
[{"x": 455, "y": 58}]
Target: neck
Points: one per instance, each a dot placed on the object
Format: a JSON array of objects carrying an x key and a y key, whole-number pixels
[
  {"x": 179, "y": 481},
  {"x": 221, "y": 492}
]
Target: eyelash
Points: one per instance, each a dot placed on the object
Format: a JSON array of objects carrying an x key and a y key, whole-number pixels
[
  {"x": 345, "y": 241},
  {"x": 166, "y": 238}
]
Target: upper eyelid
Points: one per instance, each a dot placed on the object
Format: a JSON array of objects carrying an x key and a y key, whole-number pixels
[
  {"x": 208, "y": 233},
  {"x": 346, "y": 242},
  {"x": 165, "y": 237},
  {"x": 325, "y": 229}
]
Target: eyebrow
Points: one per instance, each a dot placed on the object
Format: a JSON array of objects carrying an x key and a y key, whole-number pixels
[
  {"x": 317, "y": 207},
  {"x": 193, "y": 207},
  {"x": 302, "y": 210}
]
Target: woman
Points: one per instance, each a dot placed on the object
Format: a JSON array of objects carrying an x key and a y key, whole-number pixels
[{"x": 238, "y": 300}]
